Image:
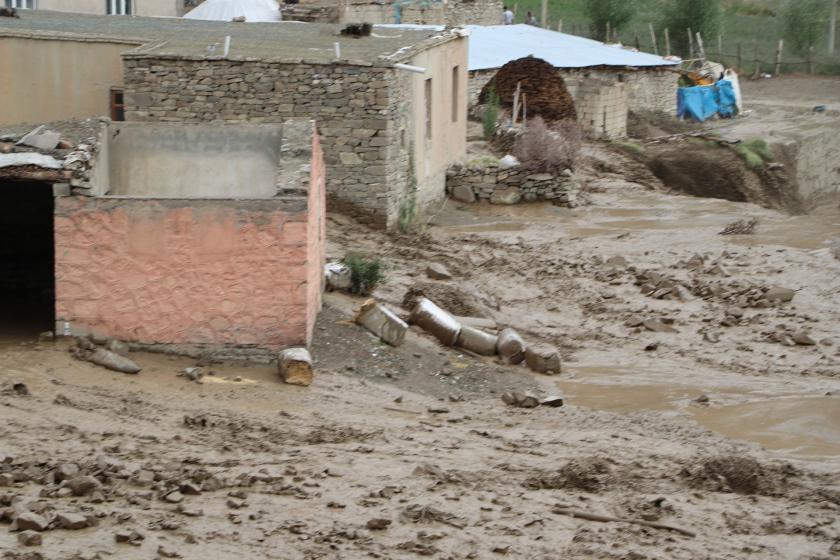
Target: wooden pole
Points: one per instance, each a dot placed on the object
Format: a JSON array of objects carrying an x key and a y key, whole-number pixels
[
  {"x": 690, "y": 44},
  {"x": 607, "y": 36},
  {"x": 757, "y": 73},
  {"x": 779, "y": 57},
  {"x": 740, "y": 63},
  {"x": 701, "y": 48},
  {"x": 560, "y": 26},
  {"x": 653, "y": 38},
  {"x": 638, "y": 43},
  {"x": 667, "y": 43},
  {"x": 544, "y": 14},
  {"x": 832, "y": 28},
  {"x": 811, "y": 60},
  {"x": 720, "y": 47}
]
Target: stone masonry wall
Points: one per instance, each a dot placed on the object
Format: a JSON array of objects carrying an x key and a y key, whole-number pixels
[
  {"x": 509, "y": 186},
  {"x": 352, "y": 105},
  {"x": 454, "y": 13},
  {"x": 602, "y": 108}
]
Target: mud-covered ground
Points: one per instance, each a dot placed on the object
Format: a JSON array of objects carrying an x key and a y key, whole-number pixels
[{"x": 696, "y": 401}]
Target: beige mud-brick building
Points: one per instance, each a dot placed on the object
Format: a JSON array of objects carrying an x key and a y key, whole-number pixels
[
  {"x": 390, "y": 108},
  {"x": 153, "y": 8}
]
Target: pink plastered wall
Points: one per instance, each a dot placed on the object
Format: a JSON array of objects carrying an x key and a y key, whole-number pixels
[
  {"x": 217, "y": 272},
  {"x": 316, "y": 235}
]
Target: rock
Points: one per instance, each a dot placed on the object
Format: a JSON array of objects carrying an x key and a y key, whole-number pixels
[
  {"x": 29, "y": 538},
  {"x": 695, "y": 262},
  {"x": 382, "y": 322},
  {"x": 681, "y": 293},
  {"x": 190, "y": 489},
  {"x": 511, "y": 347},
  {"x": 617, "y": 262},
  {"x": 651, "y": 347},
  {"x": 553, "y": 402},
  {"x": 113, "y": 361},
  {"x": 128, "y": 536},
  {"x": 511, "y": 195},
  {"x": 192, "y": 373},
  {"x": 83, "y": 485},
  {"x": 702, "y": 399},
  {"x": 634, "y": 321},
  {"x": 72, "y": 521},
  {"x": 174, "y": 497},
  {"x": 144, "y": 478},
  {"x": 29, "y": 521},
  {"x": 166, "y": 552},
  {"x": 657, "y": 325},
  {"x": 779, "y": 295},
  {"x": 378, "y": 524},
  {"x": 437, "y": 271},
  {"x": 117, "y": 347},
  {"x": 478, "y": 341},
  {"x": 7, "y": 479},
  {"x": 508, "y": 161},
  {"x": 438, "y": 410},
  {"x": 463, "y": 193},
  {"x": 40, "y": 138},
  {"x": 235, "y": 503},
  {"x": 436, "y": 321},
  {"x": 20, "y": 389},
  {"x": 803, "y": 339},
  {"x": 66, "y": 471},
  {"x": 543, "y": 358},
  {"x": 522, "y": 400},
  {"x": 295, "y": 366}
]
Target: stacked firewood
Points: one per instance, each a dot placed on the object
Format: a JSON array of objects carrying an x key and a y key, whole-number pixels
[{"x": 542, "y": 90}]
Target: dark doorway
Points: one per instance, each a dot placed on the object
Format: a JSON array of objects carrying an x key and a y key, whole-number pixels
[{"x": 27, "y": 271}]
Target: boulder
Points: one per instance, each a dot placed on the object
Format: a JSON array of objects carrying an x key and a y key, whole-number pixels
[
  {"x": 543, "y": 358},
  {"x": 437, "y": 271},
  {"x": 72, "y": 521},
  {"x": 28, "y": 521},
  {"x": 463, "y": 193},
  {"x": 382, "y": 322},
  {"x": 295, "y": 366},
  {"x": 477, "y": 341},
  {"x": 113, "y": 361},
  {"x": 436, "y": 321},
  {"x": 30, "y": 538},
  {"x": 779, "y": 295},
  {"x": 511, "y": 347},
  {"x": 511, "y": 195},
  {"x": 83, "y": 485}
]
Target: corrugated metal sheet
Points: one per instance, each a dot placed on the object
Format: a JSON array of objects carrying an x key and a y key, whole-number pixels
[
  {"x": 496, "y": 45},
  {"x": 226, "y": 10}
]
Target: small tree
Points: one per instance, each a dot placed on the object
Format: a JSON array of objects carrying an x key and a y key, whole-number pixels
[
  {"x": 803, "y": 22},
  {"x": 490, "y": 116},
  {"x": 616, "y": 13},
  {"x": 701, "y": 16},
  {"x": 549, "y": 149}
]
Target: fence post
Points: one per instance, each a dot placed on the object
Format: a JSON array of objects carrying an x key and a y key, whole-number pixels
[
  {"x": 781, "y": 48},
  {"x": 757, "y": 65},
  {"x": 739, "y": 58},
  {"x": 832, "y": 28},
  {"x": 653, "y": 38},
  {"x": 638, "y": 43},
  {"x": 720, "y": 47},
  {"x": 690, "y": 44},
  {"x": 560, "y": 26},
  {"x": 701, "y": 49},
  {"x": 667, "y": 43},
  {"x": 811, "y": 60},
  {"x": 544, "y": 14}
]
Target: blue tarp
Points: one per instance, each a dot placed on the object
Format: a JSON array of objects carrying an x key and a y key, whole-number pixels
[{"x": 702, "y": 102}]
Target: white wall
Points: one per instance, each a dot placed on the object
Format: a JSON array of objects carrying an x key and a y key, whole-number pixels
[{"x": 157, "y": 8}]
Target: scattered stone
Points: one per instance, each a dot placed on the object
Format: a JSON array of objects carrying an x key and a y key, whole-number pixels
[
  {"x": 681, "y": 293},
  {"x": 295, "y": 366},
  {"x": 511, "y": 347},
  {"x": 40, "y": 138},
  {"x": 378, "y": 524},
  {"x": 437, "y": 271},
  {"x": 192, "y": 373},
  {"x": 521, "y": 400},
  {"x": 803, "y": 339},
  {"x": 617, "y": 261},
  {"x": 741, "y": 227},
  {"x": 511, "y": 195},
  {"x": 338, "y": 277},
  {"x": 695, "y": 262},
  {"x": 651, "y": 347},
  {"x": 174, "y": 497},
  {"x": 83, "y": 485},
  {"x": 438, "y": 410},
  {"x": 66, "y": 471},
  {"x": 113, "y": 361},
  {"x": 129, "y": 536},
  {"x": 235, "y": 503},
  {"x": 779, "y": 295},
  {"x": 7, "y": 479},
  {"x": 20, "y": 389},
  {"x": 166, "y": 552},
  {"x": 543, "y": 358},
  {"x": 29, "y": 521},
  {"x": 382, "y": 322},
  {"x": 30, "y": 538},
  {"x": 117, "y": 347},
  {"x": 702, "y": 399},
  {"x": 553, "y": 402},
  {"x": 463, "y": 193},
  {"x": 657, "y": 325},
  {"x": 634, "y": 321},
  {"x": 710, "y": 336},
  {"x": 72, "y": 521},
  {"x": 190, "y": 489}
]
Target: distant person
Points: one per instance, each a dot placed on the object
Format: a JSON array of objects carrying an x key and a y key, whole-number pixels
[
  {"x": 507, "y": 16},
  {"x": 530, "y": 19}
]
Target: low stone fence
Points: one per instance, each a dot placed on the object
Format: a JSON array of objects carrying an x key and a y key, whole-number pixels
[{"x": 512, "y": 185}]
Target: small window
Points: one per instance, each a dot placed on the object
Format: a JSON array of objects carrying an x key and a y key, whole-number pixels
[
  {"x": 455, "y": 91},
  {"x": 428, "y": 103},
  {"x": 117, "y": 105},
  {"x": 22, "y": 4},
  {"x": 118, "y": 7}
]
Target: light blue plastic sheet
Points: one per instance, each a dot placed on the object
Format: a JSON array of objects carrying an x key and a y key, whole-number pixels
[{"x": 700, "y": 103}]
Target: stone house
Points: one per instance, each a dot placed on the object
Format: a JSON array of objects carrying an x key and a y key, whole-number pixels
[
  {"x": 152, "y": 8},
  {"x": 194, "y": 236},
  {"x": 605, "y": 81},
  {"x": 390, "y": 107},
  {"x": 451, "y": 13}
]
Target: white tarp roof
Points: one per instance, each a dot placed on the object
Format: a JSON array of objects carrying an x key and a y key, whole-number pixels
[
  {"x": 494, "y": 46},
  {"x": 226, "y": 10}
]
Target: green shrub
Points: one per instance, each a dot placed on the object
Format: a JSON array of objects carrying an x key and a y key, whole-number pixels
[
  {"x": 490, "y": 115},
  {"x": 616, "y": 13},
  {"x": 760, "y": 148},
  {"x": 752, "y": 159},
  {"x": 804, "y": 21},
  {"x": 367, "y": 272},
  {"x": 631, "y": 148}
]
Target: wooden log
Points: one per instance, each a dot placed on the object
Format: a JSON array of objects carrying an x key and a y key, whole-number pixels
[
  {"x": 701, "y": 48},
  {"x": 636, "y": 38},
  {"x": 653, "y": 38},
  {"x": 690, "y": 44},
  {"x": 609, "y": 519},
  {"x": 779, "y": 50},
  {"x": 667, "y": 42},
  {"x": 295, "y": 366}
]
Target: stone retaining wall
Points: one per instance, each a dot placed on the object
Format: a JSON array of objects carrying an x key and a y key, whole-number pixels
[{"x": 510, "y": 186}]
